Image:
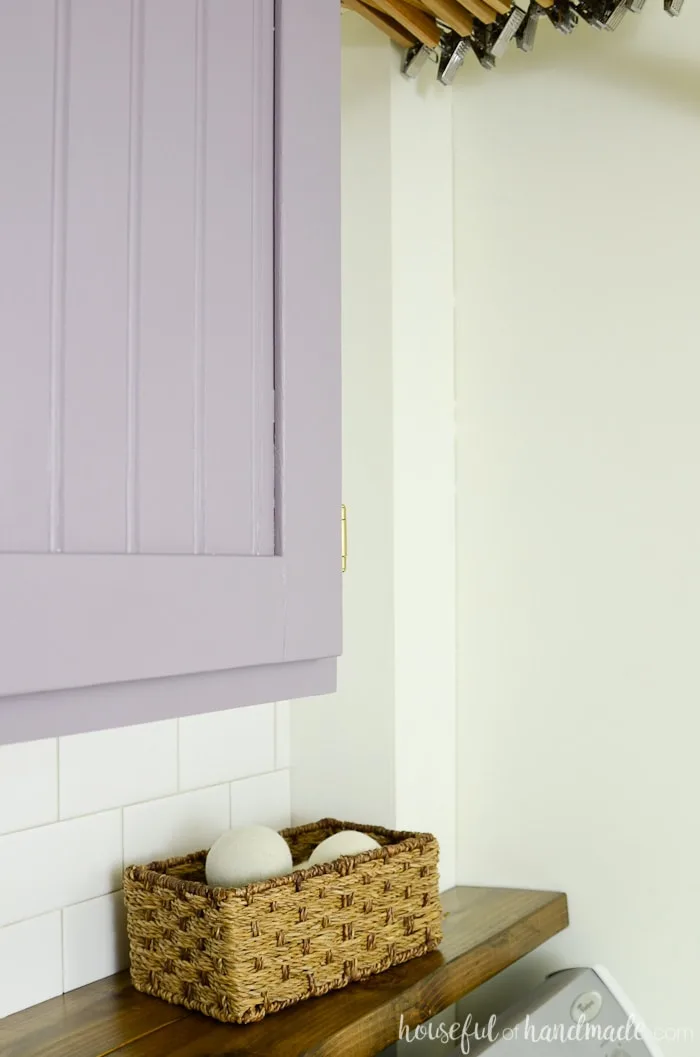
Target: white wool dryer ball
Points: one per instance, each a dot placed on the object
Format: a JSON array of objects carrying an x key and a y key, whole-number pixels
[
  {"x": 347, "y": 842},
  {"x": 246, "y": 854}
]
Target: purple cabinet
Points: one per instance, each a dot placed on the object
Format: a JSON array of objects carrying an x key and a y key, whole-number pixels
[{"x": 169, "y": 358}]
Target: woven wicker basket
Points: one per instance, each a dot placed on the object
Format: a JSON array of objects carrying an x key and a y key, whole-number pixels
[{"x": 237, "y": 954}]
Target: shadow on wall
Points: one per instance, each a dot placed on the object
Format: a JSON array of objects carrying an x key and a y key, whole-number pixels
[
  {"x": 676, "y": 80},
  {"x": 619, "y": 58}
]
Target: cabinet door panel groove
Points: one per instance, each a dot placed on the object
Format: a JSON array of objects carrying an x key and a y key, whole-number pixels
[
  {"x": 58, "y": 259},
  {"x": 200, "y": 150},
  {"x": 134, "y": 273},
  {"x": 166, "y": 398},
  {"x": 262, "y": 257}
]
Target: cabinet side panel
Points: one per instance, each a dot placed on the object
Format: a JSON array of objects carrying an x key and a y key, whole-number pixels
[
  {"x": 27, "y": 60},
  {"x": 308, "y": 319}
]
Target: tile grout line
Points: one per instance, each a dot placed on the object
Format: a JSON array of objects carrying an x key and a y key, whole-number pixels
[
  {"x": 275, "y": 732},
  {"x": 102, "y": 895},
  {"x": 59, "y": 910},
  {"x": 58, "y": 781},
  {"x": 63, "y": 950},
  {"x": 140, "y": 803},
  {"x": 71, "y": 818},
  {"x": 121, "y": 812},
  {"x": 178, "y": 775}
]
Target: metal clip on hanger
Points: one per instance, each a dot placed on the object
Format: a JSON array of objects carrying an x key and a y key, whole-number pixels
[
  {"x": 508, "y": 28},
  {"x": 445, "y": 31},
  {"x": 563, "y": 16},
  {"x": 527, "y": 34},
  {"x": 603, "y": 14}
]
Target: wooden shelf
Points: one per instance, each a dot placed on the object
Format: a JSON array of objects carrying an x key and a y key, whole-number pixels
[{"x": 485, "y": 930}]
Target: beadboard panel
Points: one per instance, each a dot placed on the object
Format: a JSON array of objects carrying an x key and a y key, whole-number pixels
[
  {"x": 26, "y": 120},
  {"x": 137, "y": 280},
  {"x": 168, "y": 353},
  {"x": 91, "y": 196}
]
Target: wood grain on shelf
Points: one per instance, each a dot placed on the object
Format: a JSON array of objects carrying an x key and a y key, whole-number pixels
[
  {"x": 91, "y": 1021},
  {"x": 485, "y": 930}
]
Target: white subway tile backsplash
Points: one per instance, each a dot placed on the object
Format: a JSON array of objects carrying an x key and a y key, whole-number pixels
[
  {"x": 95, "y": 943},
  {"x": 74, "y": 809},
  {"x": 30, "y": 963},
  {"x": 283, "y": 734},
  {"x": 28, "y": 785},
  {"x": 262, "y": 801},
  {"x": 110, "y": 768},
  {"x": 222, "y": 746},
  {"x": 175, "y": 826},
  {"x": 52, "y": 866}
]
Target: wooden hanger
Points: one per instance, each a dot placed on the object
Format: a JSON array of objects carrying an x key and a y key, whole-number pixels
[
  {"x": 394, "y": 30},
  {"x": 419, "y": 23},
  {"x": 410, "y": 22},
  {"x": 457, "y": 14},
  {"x": 499, "y": 6},
  {"x": 453, "y": 15},
  {"x": 481, "y": 10}
]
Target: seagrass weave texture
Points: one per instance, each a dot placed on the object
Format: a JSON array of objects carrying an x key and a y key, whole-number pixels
[{"x": 238, "y": 954}]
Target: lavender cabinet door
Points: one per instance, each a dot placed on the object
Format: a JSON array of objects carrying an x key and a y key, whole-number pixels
[{"x": 169, "y": 339}]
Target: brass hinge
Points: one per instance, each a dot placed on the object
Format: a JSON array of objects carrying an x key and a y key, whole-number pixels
[{"x": 343, "y": 538}]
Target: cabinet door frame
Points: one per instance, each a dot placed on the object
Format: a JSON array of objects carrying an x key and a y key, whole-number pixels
[
  {"x": 308, "y": 325},
  {"x": 288, "y": 607}
]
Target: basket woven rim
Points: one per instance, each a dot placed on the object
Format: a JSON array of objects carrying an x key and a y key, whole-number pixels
[{"x": 154, "y": 873}]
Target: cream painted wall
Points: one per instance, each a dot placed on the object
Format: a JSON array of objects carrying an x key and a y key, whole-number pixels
[
  {"x": 577, "y": 238},
  {"x": 424, "y": 461},
  {"x": 382, "y": 748},
  {"x": 343, "y": 745}
]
